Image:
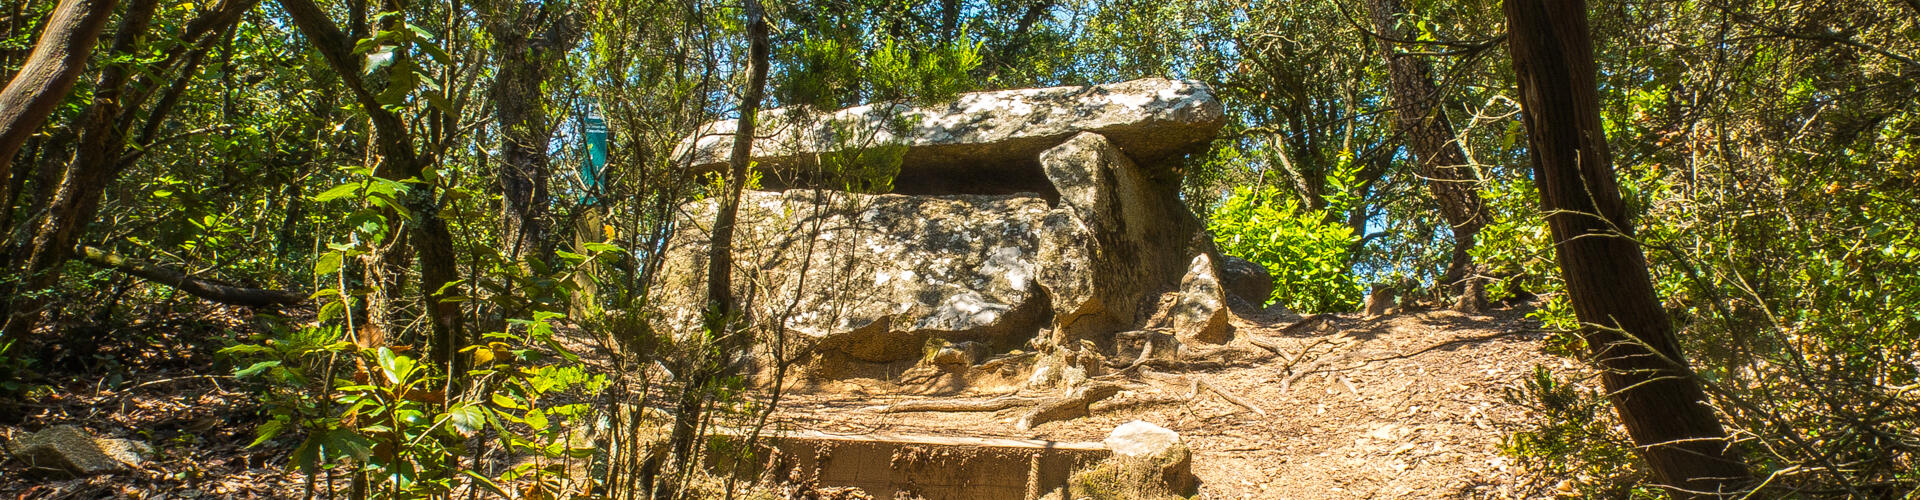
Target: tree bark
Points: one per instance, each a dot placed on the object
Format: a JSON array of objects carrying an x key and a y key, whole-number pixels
[
  {"x": 528, "y": 41},
  {"x": 58, "y": 58},
  {"x": 98, "y": 158},
  {"x": 1628, "y": 334},
  {"x": 53, "y": 241},
  {"x": 1430, "y": 138}
]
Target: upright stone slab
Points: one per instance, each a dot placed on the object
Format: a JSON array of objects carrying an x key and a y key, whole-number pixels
[
  {"x": 1200, "y": 308},
  {"x": 1117, "y": 237}
]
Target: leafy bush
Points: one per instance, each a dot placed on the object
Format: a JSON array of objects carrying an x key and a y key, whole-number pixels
[
  {"x": 1307, "y": 255},
  {"x": 387, "y": 417},
  {"x": 1574, "y": 440}
]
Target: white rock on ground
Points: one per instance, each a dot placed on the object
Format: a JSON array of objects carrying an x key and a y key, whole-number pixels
[
  {"x": 72, "y": 450},
  {"x": 1139, "y": 442}
]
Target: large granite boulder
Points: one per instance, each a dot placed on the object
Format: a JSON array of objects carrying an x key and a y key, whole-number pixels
[
  {"x": 979, "y": 143},
  {"x": 873, "y": 276},
  {"x": 1140, "y": 233}
]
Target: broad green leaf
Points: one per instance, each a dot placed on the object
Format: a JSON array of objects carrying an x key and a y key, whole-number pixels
[
  {"x": 256, "y": 369},
  {"x": 327, "y": 264}
]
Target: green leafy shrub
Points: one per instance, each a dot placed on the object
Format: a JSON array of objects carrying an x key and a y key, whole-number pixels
[
  {"x": 1307, "y": 255},
  {"x": 1574, "y": 444}
]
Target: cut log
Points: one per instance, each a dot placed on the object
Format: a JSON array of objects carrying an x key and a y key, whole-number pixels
[
  {"x": 208, "y": 289},
  {"x": 956, "y": 405}
]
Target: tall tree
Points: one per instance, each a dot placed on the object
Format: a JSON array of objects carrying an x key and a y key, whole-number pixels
[
  {"x": 529, "y": 40},
  {"x": 1430, "y": 138},
  {"x": 1625, "y": 329}
]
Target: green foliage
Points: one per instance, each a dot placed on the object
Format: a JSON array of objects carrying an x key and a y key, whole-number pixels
[
  {"x": 832, "y": 62},
  {"x": 1575, "y": 439},
  {"x": 1306, "y": 255},
  {"x": 388, "y": 416},
  {"x": 14, "y": 368},
  {"x": 933, "y": 74},
  {"x": 1515, "y": 246}
]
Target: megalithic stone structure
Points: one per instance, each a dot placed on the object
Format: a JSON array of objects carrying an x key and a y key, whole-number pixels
[
  {"x": 979, "y": 143},
  {"x": 1034, "y": 217}
]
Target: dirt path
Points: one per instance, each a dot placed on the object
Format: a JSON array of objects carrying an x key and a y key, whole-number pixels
[{"x": 1403, "y": 406}]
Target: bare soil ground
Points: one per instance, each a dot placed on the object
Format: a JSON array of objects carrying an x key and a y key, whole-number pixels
[
  {"x": 1400, "y": 406},
  {"x": 159, "y": 382}
]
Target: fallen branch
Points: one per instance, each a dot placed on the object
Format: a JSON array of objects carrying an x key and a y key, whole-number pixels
[
  {"x": 1202, "y": 384},
  {"x": 1287, "y": 384},
  {"x": 1073, "y": 405},
  {"x": 208, "y": 289},
  {"x": 1331, "y": 356},
  {"x": 995, "y": 404}
]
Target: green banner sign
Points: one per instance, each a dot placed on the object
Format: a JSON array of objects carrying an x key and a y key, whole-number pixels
[{"x": 594, "y": 163}]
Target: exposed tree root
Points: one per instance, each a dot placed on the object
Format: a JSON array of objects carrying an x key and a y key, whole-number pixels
[
  {"x": 1264, "y": 343},
  {"x": 1307, "y": 322},
  {"x": 1295, "y": 374},
  {"x": 1146, "y": 351},
  {"x": 1073, "y": 405},
  {"x": 1199, "y": 384},
  {"x": 1208, "y": 358}
]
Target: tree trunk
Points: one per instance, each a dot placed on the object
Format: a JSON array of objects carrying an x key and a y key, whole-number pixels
[
  {"x": 86, "y": 176},
  {"x": 58, "y": 58},
  {"x": 1628, "y": 334},
  {"x": 1430, "y": 138},
  {"x": 528, "y": 41},
  {"x": 427, "y": 237},
  {"x": 209, "y": 289},
  {"x": 722, "y": 310},
  {"x": 99, "y": 157}
]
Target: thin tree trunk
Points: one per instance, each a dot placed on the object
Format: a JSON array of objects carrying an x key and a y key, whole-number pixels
[
  {"x": 58, "y": 58},
  {"x": 427, "y": 237},
  {"x": 722, "y": 310},
  {"x": 1629, "y": 336},
  {"x": 1430, "y": 138}
]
